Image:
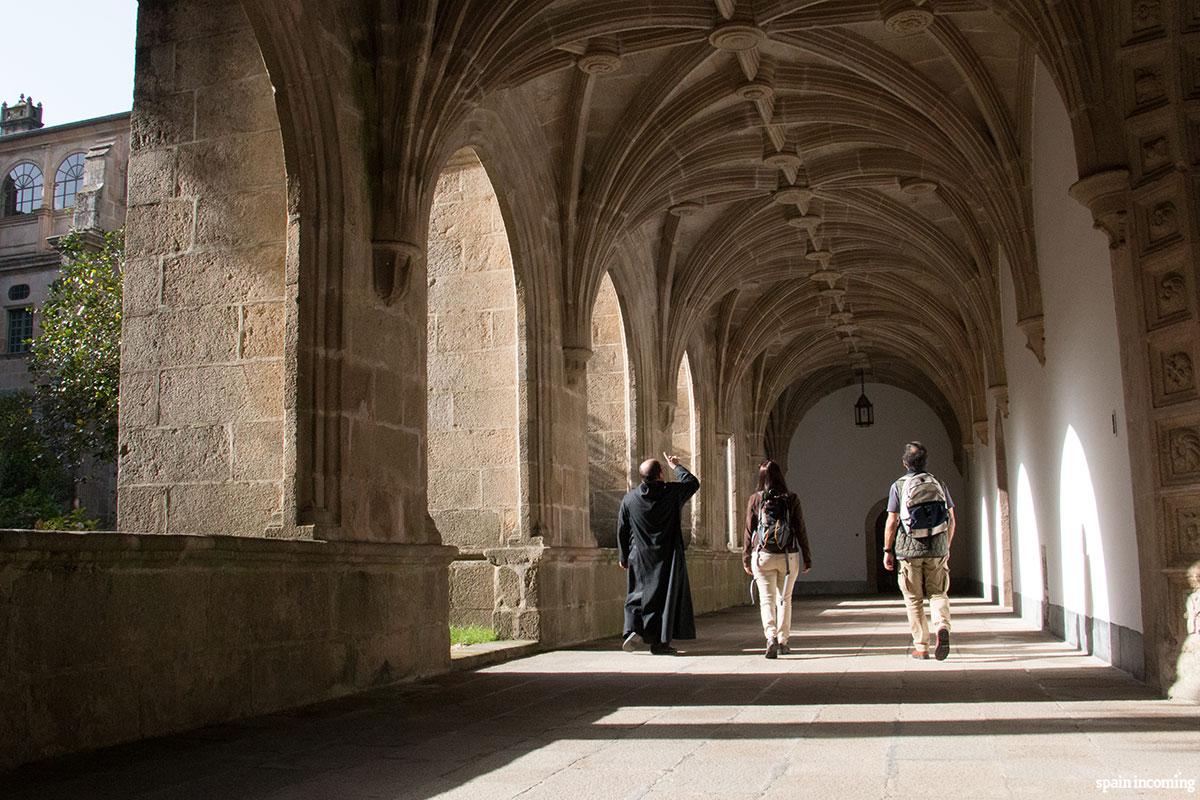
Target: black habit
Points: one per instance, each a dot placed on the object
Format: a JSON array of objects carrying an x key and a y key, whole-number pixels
[{"x": 659, "y": 604}]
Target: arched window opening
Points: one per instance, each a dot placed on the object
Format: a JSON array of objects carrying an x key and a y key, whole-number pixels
[
  {"x": 68, "y": 180},
  {"x": 683, "y": 439},
  {"x": 609, "y": 457},
  {"x": 731, "y": 504},
  {"x": 21, "y": 192},
  {"x": 472, "y": 421}
]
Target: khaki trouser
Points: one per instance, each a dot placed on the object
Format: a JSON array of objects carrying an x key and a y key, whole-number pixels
[
  {"x": 771, "y": 574},
  {"x": 922, "y": 578}
]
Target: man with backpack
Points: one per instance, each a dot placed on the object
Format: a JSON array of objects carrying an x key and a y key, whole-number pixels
[
  {"x": 774, "y": 540},
  {"x": 920, "y": 528}
]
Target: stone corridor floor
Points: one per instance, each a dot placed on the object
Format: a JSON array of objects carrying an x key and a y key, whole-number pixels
[{"x": 1011, "y": 713}]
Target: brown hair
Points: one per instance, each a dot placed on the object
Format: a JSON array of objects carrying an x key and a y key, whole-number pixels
[{"x": 770, "y": 478}]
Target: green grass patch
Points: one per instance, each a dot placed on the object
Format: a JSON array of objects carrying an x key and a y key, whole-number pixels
[{"x": 471, "y": 634}]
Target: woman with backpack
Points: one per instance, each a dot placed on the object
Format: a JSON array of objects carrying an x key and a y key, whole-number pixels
[{"x": 774, "y": 541}]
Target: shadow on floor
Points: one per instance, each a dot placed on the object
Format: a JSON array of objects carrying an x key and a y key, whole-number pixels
[{"x": 594, "y": 708}]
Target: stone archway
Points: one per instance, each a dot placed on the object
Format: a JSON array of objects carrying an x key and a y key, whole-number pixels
[{"x": 873, "y": 550}]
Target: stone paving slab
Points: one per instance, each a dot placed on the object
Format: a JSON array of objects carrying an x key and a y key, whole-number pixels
[{"x": 1012, "y": 714}]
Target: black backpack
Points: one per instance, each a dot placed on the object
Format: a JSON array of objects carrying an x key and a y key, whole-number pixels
[{"x": 774, "y": 532}]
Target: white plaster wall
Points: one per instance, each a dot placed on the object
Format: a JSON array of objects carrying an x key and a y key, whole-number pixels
[
  {"x": 841, "y": 471},
  {"x": 1077, "y": 499}
]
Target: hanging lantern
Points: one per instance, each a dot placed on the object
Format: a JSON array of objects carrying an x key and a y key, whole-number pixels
[{"x": 864, "y": 412}]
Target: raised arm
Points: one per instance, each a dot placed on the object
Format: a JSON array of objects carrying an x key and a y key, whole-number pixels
[{"x": 687, "y": 484}]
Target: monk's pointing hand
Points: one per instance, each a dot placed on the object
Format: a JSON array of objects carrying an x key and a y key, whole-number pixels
[{"x": 672, "y": 460}]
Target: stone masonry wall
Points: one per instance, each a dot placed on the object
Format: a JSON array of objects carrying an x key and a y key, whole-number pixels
[
  {"x": 608, "y": 426},
  {"x": 108, "y": 638},
  {"x": 472, "y": 434},
  {"x": 202, "y": 379}
]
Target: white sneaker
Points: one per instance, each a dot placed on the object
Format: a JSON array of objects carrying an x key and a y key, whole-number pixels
[{"x": 630, "y": 643}]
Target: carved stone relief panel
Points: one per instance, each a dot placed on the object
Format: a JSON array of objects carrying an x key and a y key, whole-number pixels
[
  {"x": 1160, "y": 221},
  {"x": 1179, "y": 451},
  {"x": 1193, "y": 138},
  {"x": 1145, "y": 86},
  {"x": 1151, "y": 142},
  {"x": 1182, "y": 517},
  {"x": 1167, "y": 293},
  {"x": 1173, "y": 366},
  {"x": 1190, "y": 67},
  {"x": 1142, "y": 20},
  {"x": 1189, "y": 15}
]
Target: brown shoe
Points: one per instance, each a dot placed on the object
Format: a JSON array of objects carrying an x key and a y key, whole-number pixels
[
  {"x": 943, "y": 644},
  {"x": 921, "y": 654}
]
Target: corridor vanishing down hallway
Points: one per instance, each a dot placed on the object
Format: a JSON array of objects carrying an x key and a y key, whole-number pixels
[{"x": 1012, "y": 713}]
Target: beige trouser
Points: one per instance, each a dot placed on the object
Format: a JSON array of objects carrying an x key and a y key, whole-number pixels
[
  {"x": 922, "y": 578},
  {"x": 771, "y": 574}
]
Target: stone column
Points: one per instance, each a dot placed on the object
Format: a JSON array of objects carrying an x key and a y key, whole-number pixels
[
  {"x": 202, "y": 369},
  {"x": 1148, "y": 212}
]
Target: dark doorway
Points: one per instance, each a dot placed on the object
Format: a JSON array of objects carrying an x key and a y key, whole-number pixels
[{"x": 885, "y": 582}]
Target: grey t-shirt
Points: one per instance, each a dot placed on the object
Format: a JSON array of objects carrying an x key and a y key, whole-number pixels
[{"x": 894, "y": 495}]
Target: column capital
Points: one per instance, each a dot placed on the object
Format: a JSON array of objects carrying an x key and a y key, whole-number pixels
[{"x": 1106, "y": 195}]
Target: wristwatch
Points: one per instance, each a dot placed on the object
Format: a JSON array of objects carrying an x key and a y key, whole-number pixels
[{"x": 891, "y": 550}]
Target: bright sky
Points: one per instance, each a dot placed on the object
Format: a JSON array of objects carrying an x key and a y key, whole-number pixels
[{"x": 74, "y": 56}]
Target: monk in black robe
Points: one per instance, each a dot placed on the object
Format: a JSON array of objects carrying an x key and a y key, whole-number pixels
[{"x": 658, "y": 607}]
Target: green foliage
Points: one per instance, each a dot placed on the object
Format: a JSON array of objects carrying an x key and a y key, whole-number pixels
[
  {"x": 76, "y": 519},
  {"x": 471, "y": 634},
  {"x": 76, "y": 357},
  {"x": 34, "y": 483}
]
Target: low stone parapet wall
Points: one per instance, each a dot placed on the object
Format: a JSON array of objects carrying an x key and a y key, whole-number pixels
[{"x": 106, "y": 637}]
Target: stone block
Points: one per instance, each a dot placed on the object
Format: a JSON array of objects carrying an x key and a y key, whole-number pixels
[
  {"x": 469, "y": 528},
  {"x": 454, "y": 489},
  {"x": 141, "y": 286},
  {"x": 486, "y": 252},
  {"x": 463, "y": 332},
  {"x": 229, "y": 164},
  {"x": 487, "y": 409},
  {"x": 241, "y": 220},
  {"x": 245, "y": 106},
  {"x": 160, "y": 120},
  {"x": 172, "y": 455},
  {"x": 234, "y": 509},
  {"x": 471, "y": 371},
  {"x": 495, "y": 448},
  {"x": 258, "y": 451},
  {"x": 472, "y": 592},
  {"x": 188, "y": 336},
  {"x": 142, "y": 509},
  {"x": 219, "y": 394},
  {"x": 159, "y": 228},
  {"x": 262, "y": 330},
  {"x": 245, "y": 274},
  {"x": 224, "y": 58},
  {"x": 138, "y": 405},
  {"x": 151, "y": 177},
  {"x": 500, "y": 488}
]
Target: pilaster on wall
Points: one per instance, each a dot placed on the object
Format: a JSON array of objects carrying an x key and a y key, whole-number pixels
[
  {"x": 202, "y": 368},
  {"x": 1149, "y": 212}
]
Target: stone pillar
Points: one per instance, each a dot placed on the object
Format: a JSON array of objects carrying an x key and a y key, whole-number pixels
[
  {"x": 202, "y": 369},
  {"x": 1148, "y": 212}
]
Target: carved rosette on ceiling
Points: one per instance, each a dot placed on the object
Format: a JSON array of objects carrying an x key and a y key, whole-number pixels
[
  {"x": 736, "y": 37},
  {"x": 904, "y": 17},
  {"x": 602, "y": 57}
]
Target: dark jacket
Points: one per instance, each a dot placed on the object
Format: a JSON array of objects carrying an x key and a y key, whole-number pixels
[
  {"x": 795, "y": 519},
  {"x": 650, "y": 540}
]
